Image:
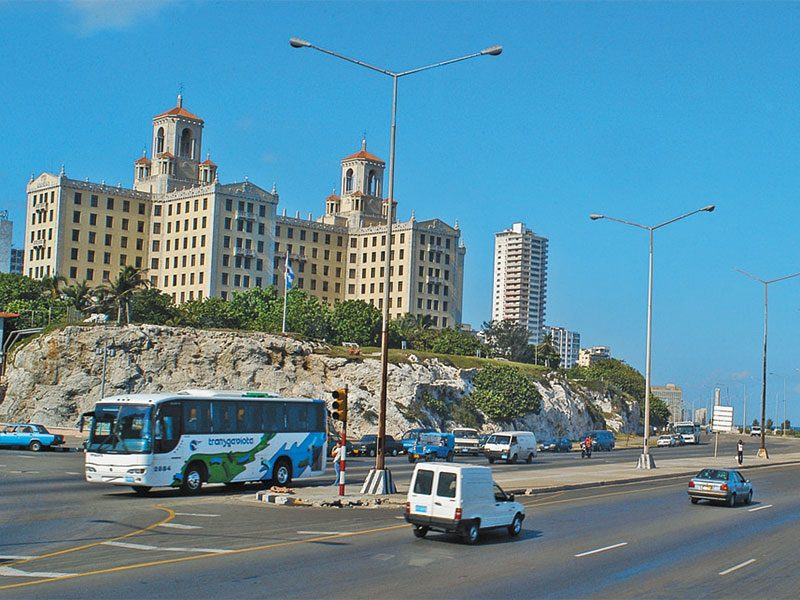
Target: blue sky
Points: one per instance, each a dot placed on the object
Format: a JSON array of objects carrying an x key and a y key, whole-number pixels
[{"x": 642, "y": 111}]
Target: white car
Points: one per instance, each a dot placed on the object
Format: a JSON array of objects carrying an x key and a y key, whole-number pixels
[
  {"x": 460, "y": 499},
  {"x": 755, "y": 431},
  {"x": 665, "y": 440}
]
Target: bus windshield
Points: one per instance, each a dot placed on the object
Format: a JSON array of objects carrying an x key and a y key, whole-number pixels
[
  {"x": 682, "y": 428},
  {"x": 120, "y": 429}
]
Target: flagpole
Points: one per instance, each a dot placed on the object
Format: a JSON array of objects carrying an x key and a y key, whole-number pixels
[{"x": 285, "y": 290}]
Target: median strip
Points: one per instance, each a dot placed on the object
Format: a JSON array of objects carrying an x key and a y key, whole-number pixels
[
  {"x": 587, "y": 553},
  {"x": 739, "y": 566},
  {"x": 179, "y": 526},
  {"x": 757, "y": 508},
  {"x": 12, "y": 572},
  {"x": 148, "y": 547}
]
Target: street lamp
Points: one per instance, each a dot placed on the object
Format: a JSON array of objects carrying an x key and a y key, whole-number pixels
[
  {"x": 762, "y": 452},
  {"x": 646, "y": 460},
  {"x": 379, "y": 480},
  {"x": 783, "y": 425}
]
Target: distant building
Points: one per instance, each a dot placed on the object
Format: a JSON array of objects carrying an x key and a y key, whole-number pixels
[
  {"x": 567, "y": 344},
  {"x": 589, "y": 356},
  {"x": 673, "y": 396},
  {"x": 701, "y": 416},
  {"x": 17, "y": 261},
  {"x": 519, "y": 285},
  {"x": 6, "y": 229}
]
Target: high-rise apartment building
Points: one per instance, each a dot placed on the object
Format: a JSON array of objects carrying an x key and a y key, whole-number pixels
[
  {"x": 589, "y": 356},
  {"x": 17, "y": 260},
  {"x": 519, "y": 288},
  {"x": 566, "y": 343},
  {"x": 197, "y": 237},
  {"x": 6, "y": 232},
  {"x": 672, "y": 395}
]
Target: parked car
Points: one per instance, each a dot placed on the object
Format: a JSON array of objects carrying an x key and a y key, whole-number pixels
[
  {"x": 460, "y": 499},
  {"x": 28, "y": 435},
  {"x": 511, "y": 446},
  {"x": 556, "y": 445},
  {"x": 466, "y": 441},
  {"x": 727, "y": 485},
  {"x": 602, "y": 439},
  {"x": 411, "y": 436},
  {"x": 665, "y": 440},
  {"x": 755, "y": 431},
  {"x": 368, "y": 446},
  {"x": 431, "y": 446}
]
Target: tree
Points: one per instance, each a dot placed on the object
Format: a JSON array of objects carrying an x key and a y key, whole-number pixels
[
  {"x": 51, "y": 287},
  {"x": 769, "y": 424},
  {"x": 754, "y": 423},
  {"x": 18, "y": 287},
  {"x": 416, "y": 330},
  {"x": 659, "y": 412},
  {"x": 78, "y": 296},
  {"x": 508, "y": 339},
  {"x": 455, "y": 341},
  {"x": 154, "y": 307},
  {"x": 546, "y": 354},
  {"x": 209, "y": 313},
  {"x": 503, "y": 393},
  {"x": 356, "y": 321},
  {"x": 250, "y": 306},
  {"x": 121, "y": 290},
  {"x": 305, "y": 314}
]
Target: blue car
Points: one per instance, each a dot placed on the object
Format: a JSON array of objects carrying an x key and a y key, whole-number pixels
[
  {"x": 28, "y": 435},
  {"x": 431, "y": 446},
  {"x": 411, "y": 436}
]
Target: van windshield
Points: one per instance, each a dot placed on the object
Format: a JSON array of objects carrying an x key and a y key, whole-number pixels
[
  {"x": 469, "y": 434},
  {"x": 498, "y": 439}
]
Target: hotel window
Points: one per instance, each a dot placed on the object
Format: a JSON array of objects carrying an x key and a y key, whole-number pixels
[
  {"x": 106, "y": 258},
  {"x": 110, "y": 203},
  {"x": 92, "y": 237},
  {"x": 89, "y": 274},
  {"x": 76, "y": 235},
  {"x": 90, "y": 256},
  {"x": 109, "y": 221},
  {"x": 123, "y": 260},
  {"x": 76, "y": 216},
  {"x": 93, "y": 201},
  {"x": 73, "y": 272},
  {"x": 124, "y": 242},
  {"x": 157, "y": 210},
  {"x": 141, "y": 208},
  {"x": 108, "y": 239},
  {"x": 73, "y": 254},
  {"x": 92, "y": 219},
  {"x": 77, "y": 198}
]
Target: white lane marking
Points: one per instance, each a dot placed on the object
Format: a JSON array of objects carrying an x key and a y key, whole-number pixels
[
  {"x": 732, "y": 569},
  {"x": 383, "y": 557},
  {"x": 147, "y": 547},
  {"x": 321, "y": 532},
  {"x": 760, "y": 508},
  {"x": 401, "y": 518},
  {"x": 15, "y": 557},
  {"x": 12, "y": 572},
  {"x": 179, "y": 526},
  {"x": 587, "y": 553},
  {"x": 72, "y": 473},
  {"x": 195, "y": 515},
  {"x": 33, "y": 472},
  {"x": 24, "y": 456},
  {"x": 16, "y": 472}
]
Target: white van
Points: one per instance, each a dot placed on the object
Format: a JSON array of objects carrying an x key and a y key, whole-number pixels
[
  {"x": 466, "y": 441},
  {"x": 459, "y": 499},
  {"x": 510, "y": 446}
]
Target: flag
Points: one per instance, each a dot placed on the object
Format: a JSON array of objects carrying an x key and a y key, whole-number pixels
[{"x": 289, "y": 274}]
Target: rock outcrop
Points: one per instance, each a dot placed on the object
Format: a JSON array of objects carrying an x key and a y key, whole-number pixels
[{"x": 56, "y": 377}]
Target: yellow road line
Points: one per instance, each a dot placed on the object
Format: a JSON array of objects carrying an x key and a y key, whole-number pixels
[
  {"x": 168, "y": 561},
  {"x": 167, "y": 519}
]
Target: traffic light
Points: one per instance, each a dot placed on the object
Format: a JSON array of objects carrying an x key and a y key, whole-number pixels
[{"x": 339, "y": 405}]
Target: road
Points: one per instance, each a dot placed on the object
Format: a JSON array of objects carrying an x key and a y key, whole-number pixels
[{"x": 635, "y": 540}]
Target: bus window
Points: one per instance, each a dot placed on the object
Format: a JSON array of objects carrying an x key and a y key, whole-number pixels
[
  {"x": 223, "y": 417},
  {"x": 297, "y": 414},
  {"x": 317, "y": 417},
  {"x": 274, "y": 416},
  {"x": 168, "y": 426},
  {"x": 196, "y": 417},
  {"x": 248, "y": 417}
]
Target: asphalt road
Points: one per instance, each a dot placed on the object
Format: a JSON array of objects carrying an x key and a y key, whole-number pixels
[{"x": 636, "y": 540}]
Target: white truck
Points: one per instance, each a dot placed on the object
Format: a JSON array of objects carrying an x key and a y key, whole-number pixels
[
  {"x": 461, "y": 499},
  {"x": 466, "y": 440}
]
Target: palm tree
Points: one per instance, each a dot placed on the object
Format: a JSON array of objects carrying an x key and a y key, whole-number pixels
[
  {"x": 78, "y": 296},
  {"x": 120, "y": 291},
  {"x": 51, "y": 286}
]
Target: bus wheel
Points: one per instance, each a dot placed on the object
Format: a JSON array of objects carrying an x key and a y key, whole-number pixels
[
  {"x": 193, "y": 479},
  {"x": 142, "y": 490},
  {"x": 282, "y": 473}
]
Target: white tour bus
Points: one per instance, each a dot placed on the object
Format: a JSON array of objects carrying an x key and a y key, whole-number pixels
[
  {"x": 192, "y": 437},
  {"x": 689, "y": 431}
]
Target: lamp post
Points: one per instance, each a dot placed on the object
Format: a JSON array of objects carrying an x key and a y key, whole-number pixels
[
  {"x": 379, "y": 480},
  {"x": 646, "y": 459},
  {"x": 783, "y": 425},
  {"x": 762, "y": 452}
]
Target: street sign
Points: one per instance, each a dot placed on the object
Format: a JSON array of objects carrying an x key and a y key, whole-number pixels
[{"x": 722, "y": 419}]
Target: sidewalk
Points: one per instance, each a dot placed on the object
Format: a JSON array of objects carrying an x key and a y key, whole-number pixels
[{"x": 590, "y": 473}]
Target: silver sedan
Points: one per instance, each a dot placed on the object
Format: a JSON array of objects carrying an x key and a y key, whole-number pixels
[{"x": 727, "y": 485}]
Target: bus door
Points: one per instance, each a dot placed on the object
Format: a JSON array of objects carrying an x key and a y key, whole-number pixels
[{"x": 167, "y": 434}]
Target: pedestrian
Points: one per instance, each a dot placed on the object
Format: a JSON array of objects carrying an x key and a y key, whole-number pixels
[
  {"x": 740, "y": 451},
  {"x": 338, "y": 455}
]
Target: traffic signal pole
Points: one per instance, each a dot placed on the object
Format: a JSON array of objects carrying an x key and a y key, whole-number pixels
[{"x": 340, "y": 414}]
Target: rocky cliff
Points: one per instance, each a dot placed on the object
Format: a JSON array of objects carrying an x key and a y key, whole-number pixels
[{"x": 56, "y": 377}]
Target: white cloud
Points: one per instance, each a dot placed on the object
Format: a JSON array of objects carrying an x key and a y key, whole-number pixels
[
  {"x": 741, "y": 375},
  {"x": 100, "y": 15}
]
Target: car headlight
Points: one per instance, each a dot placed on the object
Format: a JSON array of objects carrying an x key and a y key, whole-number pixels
[{"x": 90, "y": 469}]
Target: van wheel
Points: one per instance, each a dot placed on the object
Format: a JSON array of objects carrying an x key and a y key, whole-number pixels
[
  {"x": 529, "y": 460},
  {"x": 420, "y": 531},
  {"x": 282, "y": 473},
  {"x": 491, "y": 460},
  {"x": 516, "y": 526},
  {"x": 513, "y": 460},
  {"x": 193, "y": 479},
  {"x": 449, "y": 457},
  {"x": 471, "y": 534}
]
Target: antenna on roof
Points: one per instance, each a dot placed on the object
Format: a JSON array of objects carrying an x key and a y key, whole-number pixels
[{"x": 180, "y": 95}]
